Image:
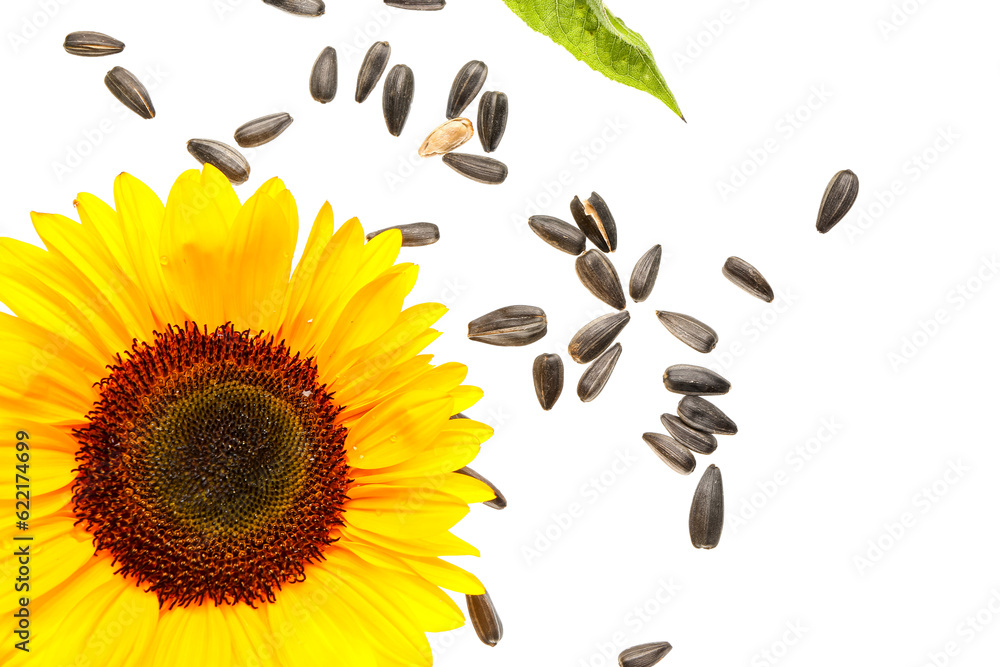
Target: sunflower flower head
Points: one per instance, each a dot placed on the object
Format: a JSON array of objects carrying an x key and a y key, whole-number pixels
[{"x": 231, "y": 461}]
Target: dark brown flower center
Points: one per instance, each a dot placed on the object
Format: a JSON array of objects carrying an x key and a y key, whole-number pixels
[{"x": 212, "y": 467}]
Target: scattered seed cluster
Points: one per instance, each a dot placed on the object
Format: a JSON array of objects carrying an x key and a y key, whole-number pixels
[
  {"x": 397, "y": 98},
  {"x": 690, "y": 431}
]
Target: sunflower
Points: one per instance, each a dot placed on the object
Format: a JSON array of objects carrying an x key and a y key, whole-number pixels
[{"x": 229, "y": 462}]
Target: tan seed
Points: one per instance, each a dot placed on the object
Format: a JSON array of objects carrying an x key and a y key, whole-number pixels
[{"x": 446, "y": 137}]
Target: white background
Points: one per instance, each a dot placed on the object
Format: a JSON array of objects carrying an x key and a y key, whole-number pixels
[{"x": 903, "y": 93}]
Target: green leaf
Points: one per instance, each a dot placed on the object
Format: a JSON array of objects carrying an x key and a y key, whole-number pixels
[{"x": 588, "y": 30}]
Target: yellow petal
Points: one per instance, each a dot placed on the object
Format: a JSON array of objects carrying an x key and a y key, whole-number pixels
[
  {"x": 401, "y": 512},
  {"x": 140, "y": 219},
  {"x": 194, "y": 635},
  {"x": 440, "y": 544},
  {"x": 309, "y": 263},
  {"x": 82, "y": 248},
  {"x": 259, "y": 259},
  {"x": 316, "y": 630},
  {"x": 396, "y": 429}
]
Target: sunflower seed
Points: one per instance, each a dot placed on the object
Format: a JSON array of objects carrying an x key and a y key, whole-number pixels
[
  {"x": 547, "y": 372},
  {"x": 492, "y": 119},
  {"x": 689, "y": 331},
  {"x": 644, "y": 655},
  {"x": 512, "y": 326},
  {"x": 446, "y": 137},
  {"x": 594, "y": 218},
  {"x": 130, "y": 91},
  {"x": 371, "y": 70},
  {"x": 595, "y": 337},
  {"x": 837, "y": 200},
  {"x": 484, "y": 618},
  {"x": 261, "y": 130},
  {"x": 705, "y": 416},
  {"x": 558, "y": 234},
  {"x": 747, "y": 278},
  {"x": 299, "y": 7},
  {"x": 224, "y": 158},
  {"x": 414, "y": 234},
  {"x": 671, "y": 452},
  {"x": 644, "y": 274},
  {"x": 498, "y": 502},
  {"x": 90, "y": 44},
  {"x": 694, "y": 381},
  {"x": 696, "y": 441},
  {"x": 597, "y": 375},
  {"x": 478, "y": 168},
  {"x": 598, "y": 275},
  {"x": 323, "y": 81},
  {"x": 397, "y": 95},
  {"x": 468, "y": 82},
  {"x": 707, "y": 510},
  {"x": 420, "y": 5}
]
